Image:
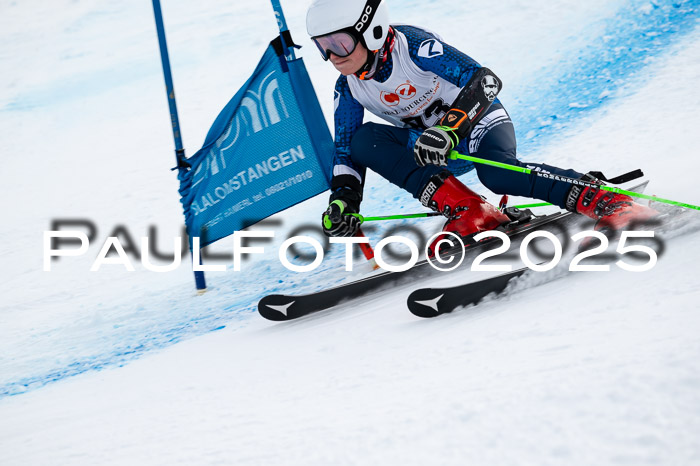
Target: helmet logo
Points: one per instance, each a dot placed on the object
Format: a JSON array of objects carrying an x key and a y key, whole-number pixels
[{"x": 366, "y": 17}]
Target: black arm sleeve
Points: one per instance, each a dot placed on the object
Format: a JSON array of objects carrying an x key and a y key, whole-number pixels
[{"x": 472, "y": 102}]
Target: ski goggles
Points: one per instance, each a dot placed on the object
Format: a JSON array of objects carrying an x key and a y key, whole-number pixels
[{"x": 340, "y": 44}]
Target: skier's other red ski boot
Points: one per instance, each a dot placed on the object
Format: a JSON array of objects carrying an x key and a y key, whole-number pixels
[
  {"x": 467, "y": 212},
  {"x": 612, "y": 211}
]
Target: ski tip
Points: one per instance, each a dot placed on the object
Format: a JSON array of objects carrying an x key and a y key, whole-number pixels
[
  {"x": 277, "y": 308},
  {"x": 425, "y": 302}
]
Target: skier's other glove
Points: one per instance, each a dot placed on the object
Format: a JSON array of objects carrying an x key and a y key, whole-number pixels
[
  {"x": 336, "y": 220},
  {"x": 434, "y": 145}
]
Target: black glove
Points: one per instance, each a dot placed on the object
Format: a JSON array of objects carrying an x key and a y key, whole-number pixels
[
  {"x": 434, "y": 145},
  {"x": 337, "y": 220}
]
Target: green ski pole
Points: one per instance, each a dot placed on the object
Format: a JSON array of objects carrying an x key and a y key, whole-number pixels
[
  {"x": 395, "y": 217},
  {"x": 454, "y": 155}
]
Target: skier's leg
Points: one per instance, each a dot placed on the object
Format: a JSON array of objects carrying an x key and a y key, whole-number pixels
[
  {"x": 493, "y": 138},
  {"x": 384, "y": 149}
]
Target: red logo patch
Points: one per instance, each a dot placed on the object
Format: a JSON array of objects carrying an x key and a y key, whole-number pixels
[
  {"x": 403, "y": 92},
  {"x": 406, "y": 91},
  {"x": 390, "y": 99}
]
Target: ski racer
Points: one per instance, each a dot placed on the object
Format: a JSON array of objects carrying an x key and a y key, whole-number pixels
[{"x": 436, "y": 99}]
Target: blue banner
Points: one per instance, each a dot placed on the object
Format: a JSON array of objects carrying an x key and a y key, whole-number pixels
[{"x": 269, "y": 149}]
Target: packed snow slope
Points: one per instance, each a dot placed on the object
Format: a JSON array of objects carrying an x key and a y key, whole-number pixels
[{"x": 118, "y": 367}]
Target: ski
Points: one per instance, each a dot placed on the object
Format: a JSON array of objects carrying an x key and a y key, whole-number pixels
[
  {"x": 431, "y": 302},
  {"x": 282, "y": 307}
]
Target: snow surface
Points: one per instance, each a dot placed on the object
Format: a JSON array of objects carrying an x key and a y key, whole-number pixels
[{"x": 121, "y": 367}]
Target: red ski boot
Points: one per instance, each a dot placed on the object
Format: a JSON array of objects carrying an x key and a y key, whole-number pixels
[
  {"x": 612, "y": 211},
  {"x": 468, "y": 213}
]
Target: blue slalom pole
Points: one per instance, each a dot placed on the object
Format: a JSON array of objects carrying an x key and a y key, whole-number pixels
[
  {"x": 282, "y": 24},
  {"x": 182, "y": 165}
]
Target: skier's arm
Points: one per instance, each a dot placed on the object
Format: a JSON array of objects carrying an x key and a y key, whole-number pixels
[
  {"x": 480, "y": 86},
  {"x": 435, "y": 144},
  {"x": 471, "y": 103},
  {"x": 430, "y": 53},
  {"x": 347, "y": 179},
  {"x": 348, "y": 117}
]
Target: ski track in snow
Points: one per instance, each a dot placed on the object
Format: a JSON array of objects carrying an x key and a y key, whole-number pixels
[
  {"x": 662, "y": 23},
  {"x": 627, "y": 42},
  {"x": 618, "y": 373}
]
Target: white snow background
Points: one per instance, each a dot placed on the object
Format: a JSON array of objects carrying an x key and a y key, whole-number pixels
[{"x": 120, "y": 367}]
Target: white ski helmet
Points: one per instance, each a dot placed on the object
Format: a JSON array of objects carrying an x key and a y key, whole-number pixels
[{"x": 368, "y": 19}]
